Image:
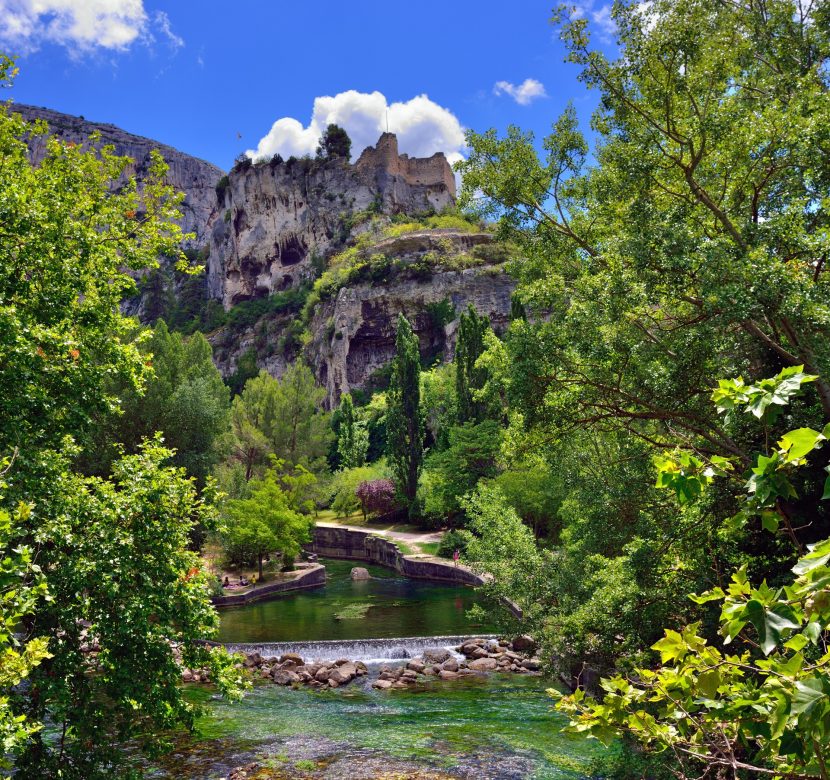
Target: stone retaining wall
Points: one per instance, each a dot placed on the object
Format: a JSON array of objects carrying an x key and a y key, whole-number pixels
[{"x": 311, "y": 577}]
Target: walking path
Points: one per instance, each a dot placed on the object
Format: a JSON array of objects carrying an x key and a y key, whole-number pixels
[{"x": 416, "y": 538}]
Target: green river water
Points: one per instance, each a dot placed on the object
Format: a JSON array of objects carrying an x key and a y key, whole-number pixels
[
  {"x": 397, "y": 607},
  {"x": 497, "y": 727}
]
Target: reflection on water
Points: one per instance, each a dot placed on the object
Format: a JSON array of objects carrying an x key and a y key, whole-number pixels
[{"x": 385, "y": 606}]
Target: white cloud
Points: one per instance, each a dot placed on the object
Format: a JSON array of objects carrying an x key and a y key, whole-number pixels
[
  {"x": 80, "y": 25},
  {"x": 600, "y": 15},
  {"x": 524, "y": 93},
  {"x": 162, "y": 21},
  {"x": 422, "y": 126}
]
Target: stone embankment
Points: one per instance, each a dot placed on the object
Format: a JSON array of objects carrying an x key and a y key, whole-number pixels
[
  {"x": 310, "y": 575},
  {"x": 479, "y": 656}
]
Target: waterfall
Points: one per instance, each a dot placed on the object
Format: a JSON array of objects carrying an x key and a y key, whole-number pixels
[{"x": 366, "y": 650}]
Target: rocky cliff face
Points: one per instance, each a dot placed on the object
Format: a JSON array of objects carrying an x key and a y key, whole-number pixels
[
  {"x": 280, "y": 218},
  {"x": 196, "y": 178}
]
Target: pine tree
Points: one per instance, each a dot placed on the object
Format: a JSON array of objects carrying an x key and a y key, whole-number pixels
[
  {"x": 468, "y": 378},
  {"x": 405, "y": 425}
]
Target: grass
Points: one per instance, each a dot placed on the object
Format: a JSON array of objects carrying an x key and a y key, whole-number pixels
[{"x": 430, "y": 548}]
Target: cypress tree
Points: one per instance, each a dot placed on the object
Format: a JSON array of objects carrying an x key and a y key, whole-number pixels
[
  {"x": 405, "y": 425},
  {"x": 352, "y": 438},
  {"x": 468, "y": 378}
]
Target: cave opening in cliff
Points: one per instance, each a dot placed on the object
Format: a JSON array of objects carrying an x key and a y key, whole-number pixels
[{"x": 293, "y": 252}]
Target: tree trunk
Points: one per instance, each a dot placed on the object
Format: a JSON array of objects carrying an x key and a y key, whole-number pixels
[{"x": 260, "y": 567}]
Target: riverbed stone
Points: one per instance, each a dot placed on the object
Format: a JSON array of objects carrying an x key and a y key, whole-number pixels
[
  {"x": 483, "y": 664},
  {"x": 333, "y": 683},
  {"x": 359, "y": 573},
  {"x": 436, "y": 655},
  {"x": 479, "y": 652},
  {"x": 292, "y": 658},
  {"x": 445, "y": 674},
  {"x": 415, "y": 666},
  {"x": 343, "y": 673},
  {"x": 382, "y": 684},
  {"x": 524, "y": 644},
  {"x": 450, "y": 665},
  {"x": 284, "y": 677},
  {"x": 531, "y": 664}
]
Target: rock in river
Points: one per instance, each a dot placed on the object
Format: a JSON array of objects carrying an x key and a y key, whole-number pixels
[{"x": 359, "y": 573}]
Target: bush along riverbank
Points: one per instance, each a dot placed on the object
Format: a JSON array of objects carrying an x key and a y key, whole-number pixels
[{"x": 474, "y": 656}]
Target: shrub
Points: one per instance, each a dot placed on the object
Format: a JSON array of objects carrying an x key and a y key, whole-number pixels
[
  {"x": 376, "y": 496},
  {"x": 221, "y": 186},
  {"x": 455, "y": 539}
]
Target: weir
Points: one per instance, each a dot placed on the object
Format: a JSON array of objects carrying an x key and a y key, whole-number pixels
[{"x": 366, "y": 650}]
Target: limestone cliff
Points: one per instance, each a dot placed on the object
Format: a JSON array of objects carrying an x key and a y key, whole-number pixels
[
  {"x": 196, "y": 178},
  {"x": 280, "y": 218}
]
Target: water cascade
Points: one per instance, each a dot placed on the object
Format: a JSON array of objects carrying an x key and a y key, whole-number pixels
[{"x": 367, "y": 650}]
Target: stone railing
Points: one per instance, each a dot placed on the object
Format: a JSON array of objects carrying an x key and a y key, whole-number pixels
[{"x": 312, "y": 576}]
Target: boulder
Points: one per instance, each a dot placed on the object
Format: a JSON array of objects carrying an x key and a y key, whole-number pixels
[
  {"x": 322, "y": 674},
  {"x": 333, "y": 683},
  {"x": 415, "y": 666},
  {"x": 343, "y": 673},
  {"x": 284, "y": 677},
  {"x": 359, "y": 573},
  {"x": 531, "y": 664},
  {"x": 436, "y": 655},
  {"x": 450, "y": 665},
  {"x": 292, "y": 658},
  {"x": 483, "y": 664},
  {"x": 382, "y": 684},
  {"x": 524, "y": 644},
  {"x": 479, "y": 652},
  {"x": 444, "y": 674}
]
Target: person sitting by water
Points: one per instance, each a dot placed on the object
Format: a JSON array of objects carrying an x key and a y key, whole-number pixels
[
  {"x": 242, "y": 580},
  {"x": 226, "y": 583}
]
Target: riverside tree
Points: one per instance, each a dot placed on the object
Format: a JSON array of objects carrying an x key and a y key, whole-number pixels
[
  {"x": 352, "y": 437},
  {"x": 404, "y": 422},
  {"x": 690, "y": 244},
  {"x": 112, "y": 550},
  {"x": 265, "y": 522},
  {"x": 469, "y": 378}
]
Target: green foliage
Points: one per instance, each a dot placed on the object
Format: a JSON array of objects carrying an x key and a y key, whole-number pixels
[
  {"x": 341, "y": 489},
  {"x": 119, "y": 574},
  {"x": 470, "y": 377},
  {"x": 536, "y": 492},
  {"x": 22, "y": 585},
  {"x": 184, "y": 397},
  {"x": 404, "y": 423},
  {"x": 438, "y": 404},
  {"x": 112, "y": 551},
  {"x": 264, "y": 522},
  {"x": 334, "y": 142},
  {"x": 353, "y": 436},
  {"x": 503, "y": 548},
  {"x": 754, "y": 711},
  {"x": 471, "y": 455},
  {"x": 452, "y": 540},
  {"x": 283, "y": 418}
]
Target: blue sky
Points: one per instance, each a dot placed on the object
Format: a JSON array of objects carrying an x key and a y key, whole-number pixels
[{"x": 198, "y": 75}]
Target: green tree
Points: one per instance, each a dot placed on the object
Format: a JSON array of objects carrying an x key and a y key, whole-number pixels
[
  {"x": 759, "y": 707},
  {"x": 184, "y": 397},
  {"x": 113, "y": 552},
  {"x": 353, "y": 436},
  {"x": 404, "y": 423},
  {"x": 334, "y": 142},
  {"x": 472, "y": 455},
  {"x": 264, "y": 519},
  {"x": 470, "y": 378}
]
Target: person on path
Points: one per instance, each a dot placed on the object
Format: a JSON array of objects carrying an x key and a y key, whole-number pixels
[{"x": 455, "y": 556}]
